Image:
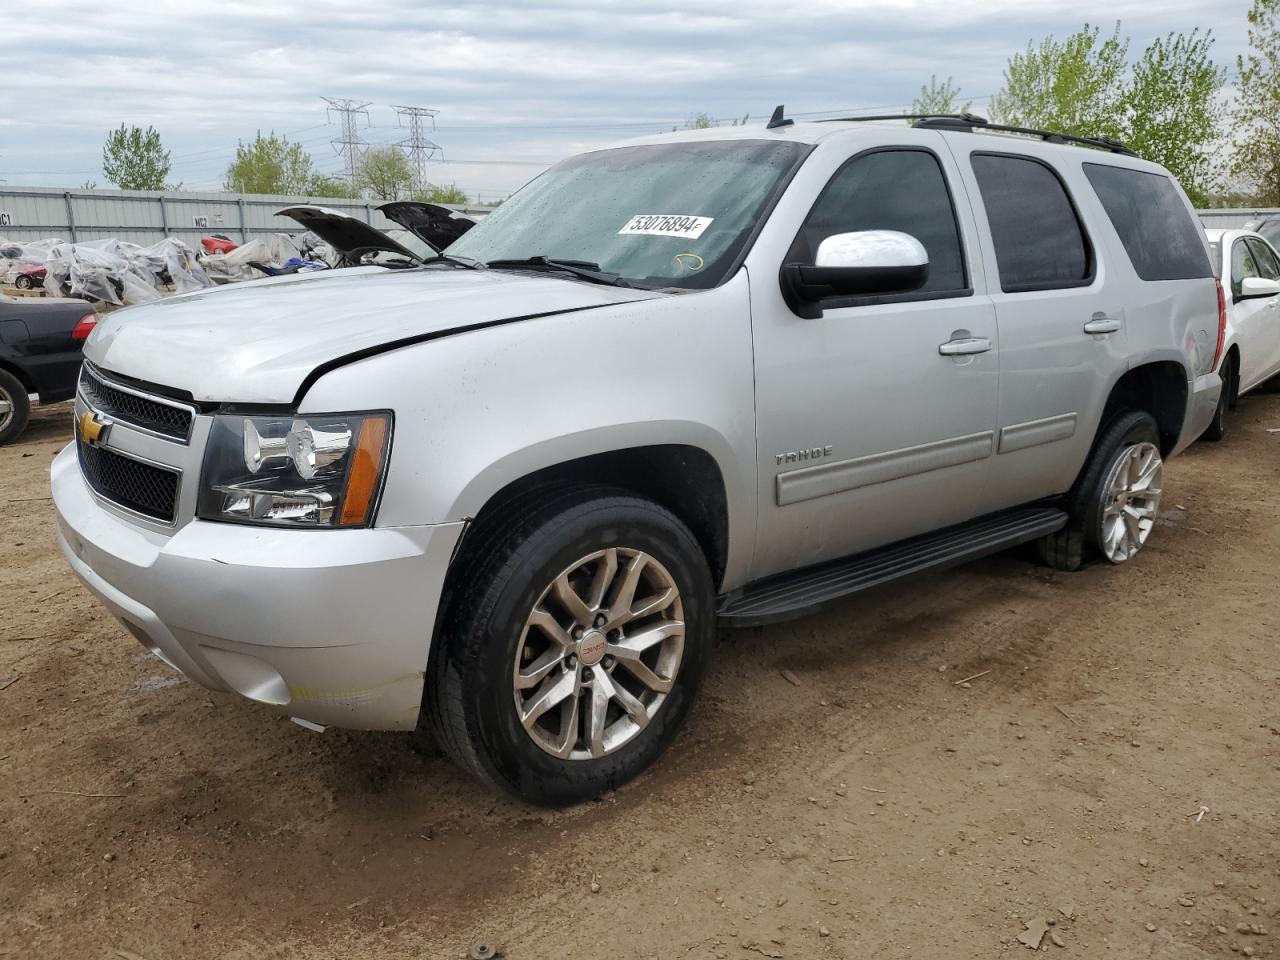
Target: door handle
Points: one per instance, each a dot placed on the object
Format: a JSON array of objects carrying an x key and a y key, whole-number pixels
[
  {"x": 964, "y": 346},
  {"x": 1101, "y": 323}
]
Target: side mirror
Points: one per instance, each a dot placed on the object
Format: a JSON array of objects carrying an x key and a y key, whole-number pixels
[
  {"x": 1251, "y": 287},
  {"x": 864, "y": 263}
]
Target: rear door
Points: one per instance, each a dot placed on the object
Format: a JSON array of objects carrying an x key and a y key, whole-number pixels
[
  {"x": 1262, "y": 338},
  {"x": 1062, "y": 333}
]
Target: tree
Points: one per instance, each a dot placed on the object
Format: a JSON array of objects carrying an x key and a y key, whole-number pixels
[
  {"x": 939, "y": 98},
  {"x": 441, "y": 194},
  {"x": 386, "y": 172},
  {"x": 325, "y": 186},
  {"x": 270, "y": 164},
  {"x": 1173, "y": 113},
  {"x": 1166, "y": 109},
  {"x": 1256, "y": 116},
  {"x": 134, "y": 159},
  {"x": 699, "y": 121},
  {"x": 1072, "y": 86}
]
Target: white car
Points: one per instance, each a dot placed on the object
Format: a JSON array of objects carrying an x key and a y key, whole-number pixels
[{"x": 1251, "y": 349}]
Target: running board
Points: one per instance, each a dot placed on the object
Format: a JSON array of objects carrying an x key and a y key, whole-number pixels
[{"x": 798, "y": 592}]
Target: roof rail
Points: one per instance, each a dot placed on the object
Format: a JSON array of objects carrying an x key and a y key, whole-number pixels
[{"x": 970, "y": 122}]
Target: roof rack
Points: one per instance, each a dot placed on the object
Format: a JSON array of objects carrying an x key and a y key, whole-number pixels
[{"x": 971, "y": 121}]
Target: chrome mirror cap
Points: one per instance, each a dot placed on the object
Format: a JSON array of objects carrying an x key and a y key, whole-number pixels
[{"x": 871, "y": 248}]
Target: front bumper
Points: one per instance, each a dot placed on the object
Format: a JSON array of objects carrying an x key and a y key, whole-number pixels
[
  {"x": 332, "y": 626},
  {"x": 1202, "y": 401}
]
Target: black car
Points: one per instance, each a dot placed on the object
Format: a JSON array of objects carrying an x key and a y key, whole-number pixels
[{"x": 40, "y": 345}]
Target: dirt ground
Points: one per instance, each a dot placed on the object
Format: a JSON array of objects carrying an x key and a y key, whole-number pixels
[{"x": 877, "y": 809}]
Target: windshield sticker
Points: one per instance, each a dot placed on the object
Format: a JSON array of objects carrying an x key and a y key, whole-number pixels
[{"x": 666, "y": 225}]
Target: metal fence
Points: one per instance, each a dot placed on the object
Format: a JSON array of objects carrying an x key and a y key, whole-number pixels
[
  {"x": 144, "y": 217},
  {"x": 1225, "y": 218}
]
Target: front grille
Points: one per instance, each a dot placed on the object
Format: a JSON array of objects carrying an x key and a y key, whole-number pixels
[
  {"x": 149, "y": 413},
  {"x": 141, "y": 487}
]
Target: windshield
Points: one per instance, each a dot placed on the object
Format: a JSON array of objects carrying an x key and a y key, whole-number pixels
[{"x": 669, "y": 215}]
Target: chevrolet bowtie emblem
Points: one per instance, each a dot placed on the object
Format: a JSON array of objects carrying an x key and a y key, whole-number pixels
[{"x": 93, "y": 430}]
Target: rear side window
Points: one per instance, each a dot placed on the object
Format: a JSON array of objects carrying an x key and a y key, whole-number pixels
[
  {"x": 1160, "y": 236},
  {"x": 1039, "y": 242}
]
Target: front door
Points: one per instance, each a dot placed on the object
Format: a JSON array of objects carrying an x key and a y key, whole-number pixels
[
  {"x": 1256, "y": 319},
  {"x": 871, "y": 427}
]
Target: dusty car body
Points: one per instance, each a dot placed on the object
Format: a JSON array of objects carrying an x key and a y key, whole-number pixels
[{"x": 716, "y": 376}]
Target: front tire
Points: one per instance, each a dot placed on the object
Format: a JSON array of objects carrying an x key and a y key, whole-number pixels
[
  {"x": 1114, "y": 503},
  {"x": 23, "y": 283},
  {"x": 15, "y": 408},
  {"x": 573, "y": 646}
]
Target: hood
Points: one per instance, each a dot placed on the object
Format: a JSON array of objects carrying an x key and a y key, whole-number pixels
[
  {"x": 345, "y": 233},
  {"x": 257, "y": 342},
  {"x": 429, "y": 222}
]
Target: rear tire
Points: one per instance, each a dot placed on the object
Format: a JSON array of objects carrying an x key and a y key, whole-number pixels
[
  {"x": 1217, "y": 429},
  {"x": 15, "y": 408},
  {"x": 1090, "y": 500},
  {"x": 23, "y": 283},
  {"x": 497, "y": 664}
]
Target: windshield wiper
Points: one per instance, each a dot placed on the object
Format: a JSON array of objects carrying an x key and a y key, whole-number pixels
[{"x": 583, "y": 269}]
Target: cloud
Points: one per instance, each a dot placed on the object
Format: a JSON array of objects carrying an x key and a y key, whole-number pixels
[{"x": 527, "y": 82}]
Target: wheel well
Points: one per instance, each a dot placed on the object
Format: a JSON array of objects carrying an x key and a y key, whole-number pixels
[
  {"x": 1158, "y": 388},
  {"x": 686, "y": 480},
  {"x": 18, "y": 373}
]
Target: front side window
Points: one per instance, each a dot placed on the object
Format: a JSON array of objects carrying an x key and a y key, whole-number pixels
[
  {"x": 1242, "y": 266},
  {"x": 901, "y": 190},
  {"x": 672, "y": 215},
  {"x": 1162, "y": 239},
  {"x": 1038, "y": 239},
  {"x": 1265, "y": 258}
]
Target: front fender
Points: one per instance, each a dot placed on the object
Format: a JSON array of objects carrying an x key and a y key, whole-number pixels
[{"x": 479, "y": 410}]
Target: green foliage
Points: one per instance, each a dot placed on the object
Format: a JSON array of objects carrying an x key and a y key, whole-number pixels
[
  {"x": 270, "y": 164},
  {"x": 386, "y": 173},
  {"x": 1256, "y": 117},
  {"x": 439, "y": 193},
  {"x": 134, "y": 159},
  {"x": 322, "y": 186},
  {"x": 1074, "y": 86},
  {"x": 939, "y": 98},
  {"x": 699, "y": 121},
  {"x": 1173, "y": 114},
  {"x": 1165, "y": 109}
]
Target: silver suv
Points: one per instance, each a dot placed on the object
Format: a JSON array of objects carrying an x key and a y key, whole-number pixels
[{"x": 717, "y": 376}]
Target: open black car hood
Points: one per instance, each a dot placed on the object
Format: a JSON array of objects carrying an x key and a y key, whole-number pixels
[
  {"x": 429, "y": 222},
  {"x": 348, "y": 235}
]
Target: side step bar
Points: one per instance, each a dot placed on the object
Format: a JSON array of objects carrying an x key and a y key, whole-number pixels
[{"x": 798, "y": 592}]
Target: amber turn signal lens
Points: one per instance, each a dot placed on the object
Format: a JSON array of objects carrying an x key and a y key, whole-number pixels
[{"x": 366, "y": 464}]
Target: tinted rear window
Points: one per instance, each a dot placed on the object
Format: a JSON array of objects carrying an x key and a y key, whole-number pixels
[
  {"x": 1162, "y": 239},
  {"x": 1037, "y": 235}
]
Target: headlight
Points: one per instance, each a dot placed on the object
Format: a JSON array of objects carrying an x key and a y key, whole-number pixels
[{"x": 303, "y": 471}]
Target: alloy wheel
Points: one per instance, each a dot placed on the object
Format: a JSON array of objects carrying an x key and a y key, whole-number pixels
[
  {"x": 598, "y": 654},
  {"x": 1131, "y": 501},
  {"x": 6, "y": 408}
]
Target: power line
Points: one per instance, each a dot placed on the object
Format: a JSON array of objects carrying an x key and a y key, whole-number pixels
[
  {"x": 419, "y": 148},
  {"x": 349, "y": 146}
]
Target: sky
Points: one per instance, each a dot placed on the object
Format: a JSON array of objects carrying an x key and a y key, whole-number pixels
[{"x": 517, "y": 85}]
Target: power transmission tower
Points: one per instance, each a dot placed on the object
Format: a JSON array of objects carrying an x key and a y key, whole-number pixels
[
  {"x": 419, "y": 148},
  {"x": 349, "y": 145}
]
